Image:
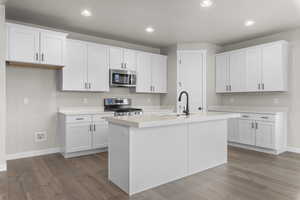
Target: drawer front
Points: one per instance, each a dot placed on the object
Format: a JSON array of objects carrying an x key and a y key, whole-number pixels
[
  {"x": 258, "y": 117},
  {"x": 268, "y": 118},
  {"x": 100, "y": 118},
  {"x": 79, "y": 119}
]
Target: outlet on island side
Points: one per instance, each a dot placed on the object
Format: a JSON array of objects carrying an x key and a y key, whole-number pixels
[{"x": 40, "y": 136}]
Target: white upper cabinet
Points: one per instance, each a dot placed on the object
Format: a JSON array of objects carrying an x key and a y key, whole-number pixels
[
  {"x": 144, "y": 82},
  {"x": 52, "y": 48},
  {"x": 116, "y": 58},
  {"x": 151, "y": 73},
  {"x": 33, "y": 45},
  {"x": 87, "y": 67},
  {"x": 130, "y": 59},
  {"x": 159, "y": 73},
  {"x": 261, "y": 68},
  {"x": 274, "y": 67},
  {"x": 23, "y": 44},
  {"x": 74, "y": 74},
  {"x": 222, "y": 75},
  {"x": 237, "y": 71},
  {"x": 123, "y": 59},
  {"x": 98, "y": 69},
  {"x": 254, "y": 67}
]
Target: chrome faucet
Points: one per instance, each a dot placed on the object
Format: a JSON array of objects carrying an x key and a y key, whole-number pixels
[{"x": 187, "y": 110}]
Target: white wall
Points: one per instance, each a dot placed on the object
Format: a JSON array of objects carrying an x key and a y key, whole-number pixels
[
  {"x": 2, "y": 88},
  {"x": 290, "y": 99},
  {"x": 39, "y": 87}
]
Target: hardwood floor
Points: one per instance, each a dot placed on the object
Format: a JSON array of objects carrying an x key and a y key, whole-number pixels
[{"x": 247, "y": 176}]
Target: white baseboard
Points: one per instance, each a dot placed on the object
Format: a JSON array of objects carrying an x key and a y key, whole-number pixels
[
  {"x": 3, "y": 167},
  {"x": 32, "y": 153},
  {"x": 293, "y": 149}
]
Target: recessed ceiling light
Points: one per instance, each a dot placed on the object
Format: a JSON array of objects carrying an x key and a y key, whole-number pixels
[
  {"x": 249, "y": 23},
  {"x": 86, "y": 13},
  {"x": 149, "y": 29},
  {"x": 206, "y": 3}
]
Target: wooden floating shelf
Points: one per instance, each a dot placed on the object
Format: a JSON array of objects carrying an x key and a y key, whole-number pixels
[{"x": 33, "y": 65}]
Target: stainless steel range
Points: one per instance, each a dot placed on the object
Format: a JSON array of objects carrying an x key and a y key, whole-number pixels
[{"x": 121, "y": 107}]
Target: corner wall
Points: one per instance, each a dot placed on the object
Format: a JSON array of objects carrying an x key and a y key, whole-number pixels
[
  {"x": 2, "y": 88},
  {"x": 290, "y": 99}
]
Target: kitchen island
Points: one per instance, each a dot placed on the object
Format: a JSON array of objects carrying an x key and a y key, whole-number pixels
[{"x": 150, "y": 150}]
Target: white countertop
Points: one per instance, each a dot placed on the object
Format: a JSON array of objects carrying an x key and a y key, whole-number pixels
[
  {"x": 144, "y": 121},
  {"x": 99, "y": 110},
  {"x": 248, "y": 109}
]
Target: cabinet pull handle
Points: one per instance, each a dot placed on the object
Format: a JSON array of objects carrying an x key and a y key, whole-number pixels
[
  {"x": 91, "y": 126},
  {"x": 229, "y": 87},
  {"x": 90, "y": 85},
  {"x": 85, "y": 85},
  {"x": 259, "y": 86},
  {"x": 252, "y": 125},
  {"x": 245, "y": 116},
  {"x": 94, "y": 127},
  {"x": 36, "y": 56},
  {"x": 265, "y": 117},
  {"x": 80, "y": 118},
  {"x": 42, "y": 57},
  {"x": 226, "y": 87},
  {"x": 263, "y": 86},
  {"x": 256, "y": 125}
]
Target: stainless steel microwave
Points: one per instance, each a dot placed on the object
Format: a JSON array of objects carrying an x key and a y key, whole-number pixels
[{"x": 122, "y": 78}]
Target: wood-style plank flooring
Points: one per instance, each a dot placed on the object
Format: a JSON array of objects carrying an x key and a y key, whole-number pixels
[{"x": 247, "y": 176}]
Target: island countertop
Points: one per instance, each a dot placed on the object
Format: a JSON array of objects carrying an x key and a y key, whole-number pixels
[{"x": 146, "y": 121}]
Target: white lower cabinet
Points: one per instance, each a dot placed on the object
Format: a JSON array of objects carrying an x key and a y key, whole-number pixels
[
  {"x": 265, "y": 134},
  {"x": 259, "y": 131},
  {"x": 78, "y": 137},
  {"x": 246, "y": 132},
  {"x": 100, "y": 136},
  {"x": 82, "y": 134}
]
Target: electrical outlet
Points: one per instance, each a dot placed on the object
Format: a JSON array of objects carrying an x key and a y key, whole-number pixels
[
  {"x": 40, "y": 136},
  {"x": 26, "y": 100},
  {"x": 276, "y": 101},
  {"x": 85, "y": 100}
]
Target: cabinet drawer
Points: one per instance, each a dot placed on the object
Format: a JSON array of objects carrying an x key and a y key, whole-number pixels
[
  {"x": 100, "y": 118},
  {"x": 78, "y": 119},
  {"x": 258, "y": 117}
]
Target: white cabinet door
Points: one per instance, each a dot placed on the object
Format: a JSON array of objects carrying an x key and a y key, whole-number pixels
[
  {"x": 52, "y": 49},
  {"x": 116, "y": 58},
  {"x": 100, "y": 135},
  {"x": 246, "y": 132},
  {"x": 159, "y": 73},
  {"x": 221, "y": 73},
  {"x": 98, "y": 69},
  {"x": 272, "y": 68},
  {"x": 129, "y": 61},
  {"x": 233, "y": 130},
  {"x": 75, "y": 72},
  {"x": 23, "y": 44},
  {"x": 237, "y": 70},
  {"x": 265, "y": 135},
  {"x": 79, "y": 137},
  {"x": 254, "y": 69},
  {"x": 143, "y": 84}
]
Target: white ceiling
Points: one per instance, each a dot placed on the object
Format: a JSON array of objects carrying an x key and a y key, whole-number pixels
[{"x": 174, "y": 20}]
